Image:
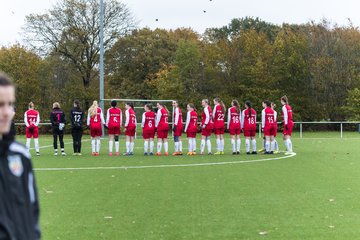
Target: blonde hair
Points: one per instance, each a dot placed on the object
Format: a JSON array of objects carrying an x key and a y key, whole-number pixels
[
  {"x": 56, "y": 105},
  {"x": 93, "y": 108}
]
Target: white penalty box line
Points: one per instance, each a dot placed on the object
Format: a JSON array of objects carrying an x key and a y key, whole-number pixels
[{"x": 166, "y": 165}]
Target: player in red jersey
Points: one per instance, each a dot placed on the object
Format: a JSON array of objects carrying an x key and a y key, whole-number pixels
[
  {"x": 219, "y": 125},
  {"x": 288, "y": 123},
  {"x": 276, "y": 146},
  {"x": 148, "y": 126},
  {"x": 234, "y": 126},
  {"x": 162, "y": 125},
  {"x": 177, "y": 128},
  {"x": 32, "y": 120},
  {"x": 191, "y": 128},
  {"x": 95, "y": 119},
  {"x": 113, "y": 123},
  {"x": 248, "y": 124},
  {"x": 267, "y": 123},
  {"x": 207, "y": 126},
  {"x": 130, "y": 128}
]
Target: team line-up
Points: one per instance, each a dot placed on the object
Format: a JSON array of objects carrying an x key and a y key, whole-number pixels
[{"x": 212, "y": 121}]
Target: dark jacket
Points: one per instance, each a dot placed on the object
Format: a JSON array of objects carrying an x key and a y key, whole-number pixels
[
  {"x": 77, "y": 117},
  {"x": 19, "y": 208},
  {"x": 57, "y": 116}
]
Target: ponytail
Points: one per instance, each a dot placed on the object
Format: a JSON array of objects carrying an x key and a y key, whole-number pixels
[
  {"x": 93, "y": 109},
  {"x": 236, "y": 105},
  {"x": 130, "y": 104},
  {"x": 161, "y": 104},
  {"x": 285, "y": 99},
  {"x": 248, "y": 104},
  {"x": 218, "y": 100},
  {"x": 192, "y": 106},
  {"x": 31, "y": 105}
]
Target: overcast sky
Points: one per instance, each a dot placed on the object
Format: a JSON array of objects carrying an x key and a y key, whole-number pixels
[{"x": 190, "y": 13}]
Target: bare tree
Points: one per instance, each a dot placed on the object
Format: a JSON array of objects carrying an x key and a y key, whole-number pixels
[{"x": 72, "y": 30}]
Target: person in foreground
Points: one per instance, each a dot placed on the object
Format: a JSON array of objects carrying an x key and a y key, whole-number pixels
[{"x": 19, "y": 207}]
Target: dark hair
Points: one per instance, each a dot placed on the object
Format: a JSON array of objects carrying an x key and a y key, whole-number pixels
[
  {"x": 248, "y": 104},
  {"x": 5, "y": 80},
  {"x": 113, "y": 103},
  {"x": 77, "y": 104},
  {"x": 192, "y": 106},
  {"x": 130, "y": 104},
  {"x": 236, "y": 105},
  {"x": 285, "y": 99},
  {"x": 149, "y": 106},
  {"x": 267, "y": 103},
  {"x": 161, "y": 104}
]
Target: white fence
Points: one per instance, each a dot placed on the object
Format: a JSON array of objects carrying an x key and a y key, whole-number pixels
[{"x": 298, "y": 125}]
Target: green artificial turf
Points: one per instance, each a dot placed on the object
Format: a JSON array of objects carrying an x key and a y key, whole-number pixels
[{"x": 313, "y": 195}]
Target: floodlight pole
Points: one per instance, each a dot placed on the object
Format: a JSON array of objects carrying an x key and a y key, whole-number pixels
[{"x": 102, "y": 57}]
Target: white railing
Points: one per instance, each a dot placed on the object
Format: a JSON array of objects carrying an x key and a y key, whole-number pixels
[{"x": 341, "y": 124}]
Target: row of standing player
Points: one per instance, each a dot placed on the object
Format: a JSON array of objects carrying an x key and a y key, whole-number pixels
[{"x": 212, "y": 121}]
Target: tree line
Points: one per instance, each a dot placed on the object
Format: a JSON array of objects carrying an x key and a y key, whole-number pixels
[{"x": 316, "y": 64}]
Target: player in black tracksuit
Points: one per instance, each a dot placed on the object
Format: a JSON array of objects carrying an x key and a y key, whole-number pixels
[
  {"x": 77, "y": 119},
  {"x": 57, "y": 118},
  {"x": 19, "y": 207}
]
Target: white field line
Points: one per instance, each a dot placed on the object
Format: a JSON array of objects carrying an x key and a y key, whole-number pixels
[{"x": 164, "y": 165}]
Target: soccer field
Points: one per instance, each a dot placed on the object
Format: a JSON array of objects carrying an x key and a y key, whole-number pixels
[{"x": 313, "y": 195}]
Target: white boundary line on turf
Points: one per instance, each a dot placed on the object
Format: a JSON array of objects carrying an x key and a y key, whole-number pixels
[{"x": 164, "y": 165}]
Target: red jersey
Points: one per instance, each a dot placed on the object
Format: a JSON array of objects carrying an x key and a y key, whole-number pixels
[
  {"x": 247, "y": 121},
  {"x": 191, "y": 121},
  {"x": 162, "y": 117},
  {"x": 267, "y": 117},
  {"x": 113, "y": 117},
  {"x": 148, "y": 122},
  {"x": 177, "y": 117},
  {"x": 206, "y": 117},
  {"x": 233, "y": 121},
  {"x": 130, "y": 120},
  {"x": 31, "y": 118},
  {"x": 218, "y": 116},
  {"x": 97, "y": 119},
  {"x": 287, "y": 114}
]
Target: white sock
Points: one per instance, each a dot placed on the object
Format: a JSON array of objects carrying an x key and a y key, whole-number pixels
[
  {"x": 159, "y": 146},
  {"x": 28, "y": 140},
  {"x": 267, "y": 146},
  {"x": 117, "y": 146},
  {"x": 98, "y": 145},
  {"x": 62, "y": 150},
  {"x": 37, "y": 147},
  {"x": 202, "y": 145},
  {"x": 208, "y": 143},
  {"x": 180, "y": 146},
  {"x": 238, "y": 144},
  {"x": 276, "y": 145},
  {"x": 151, "y": 146},
  {"x": 290, "y": 145},
  {"x": 176, "y": 146},
  {"x": 132, "y": 144},
  {"x": 218, "y": 145},
  {"x": 127, "y": 144},
  {"x": 247, "y": 145},
  {"x": 222, "y": 144},
  {"x": 233, "y": 145},
  {"x": 272, "y": 146},
  {"x": 111, "y": 146},
  {"x": 194, "y": 144},
  {"x": 286, "y": 145},
  {"x": 166, "y": 146},
  {"x": 146, "y": 146},
  {"x": 93, "y": 145},
  {"x": 254, "y": 145},
  {"x": 190, "y": 145}
]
